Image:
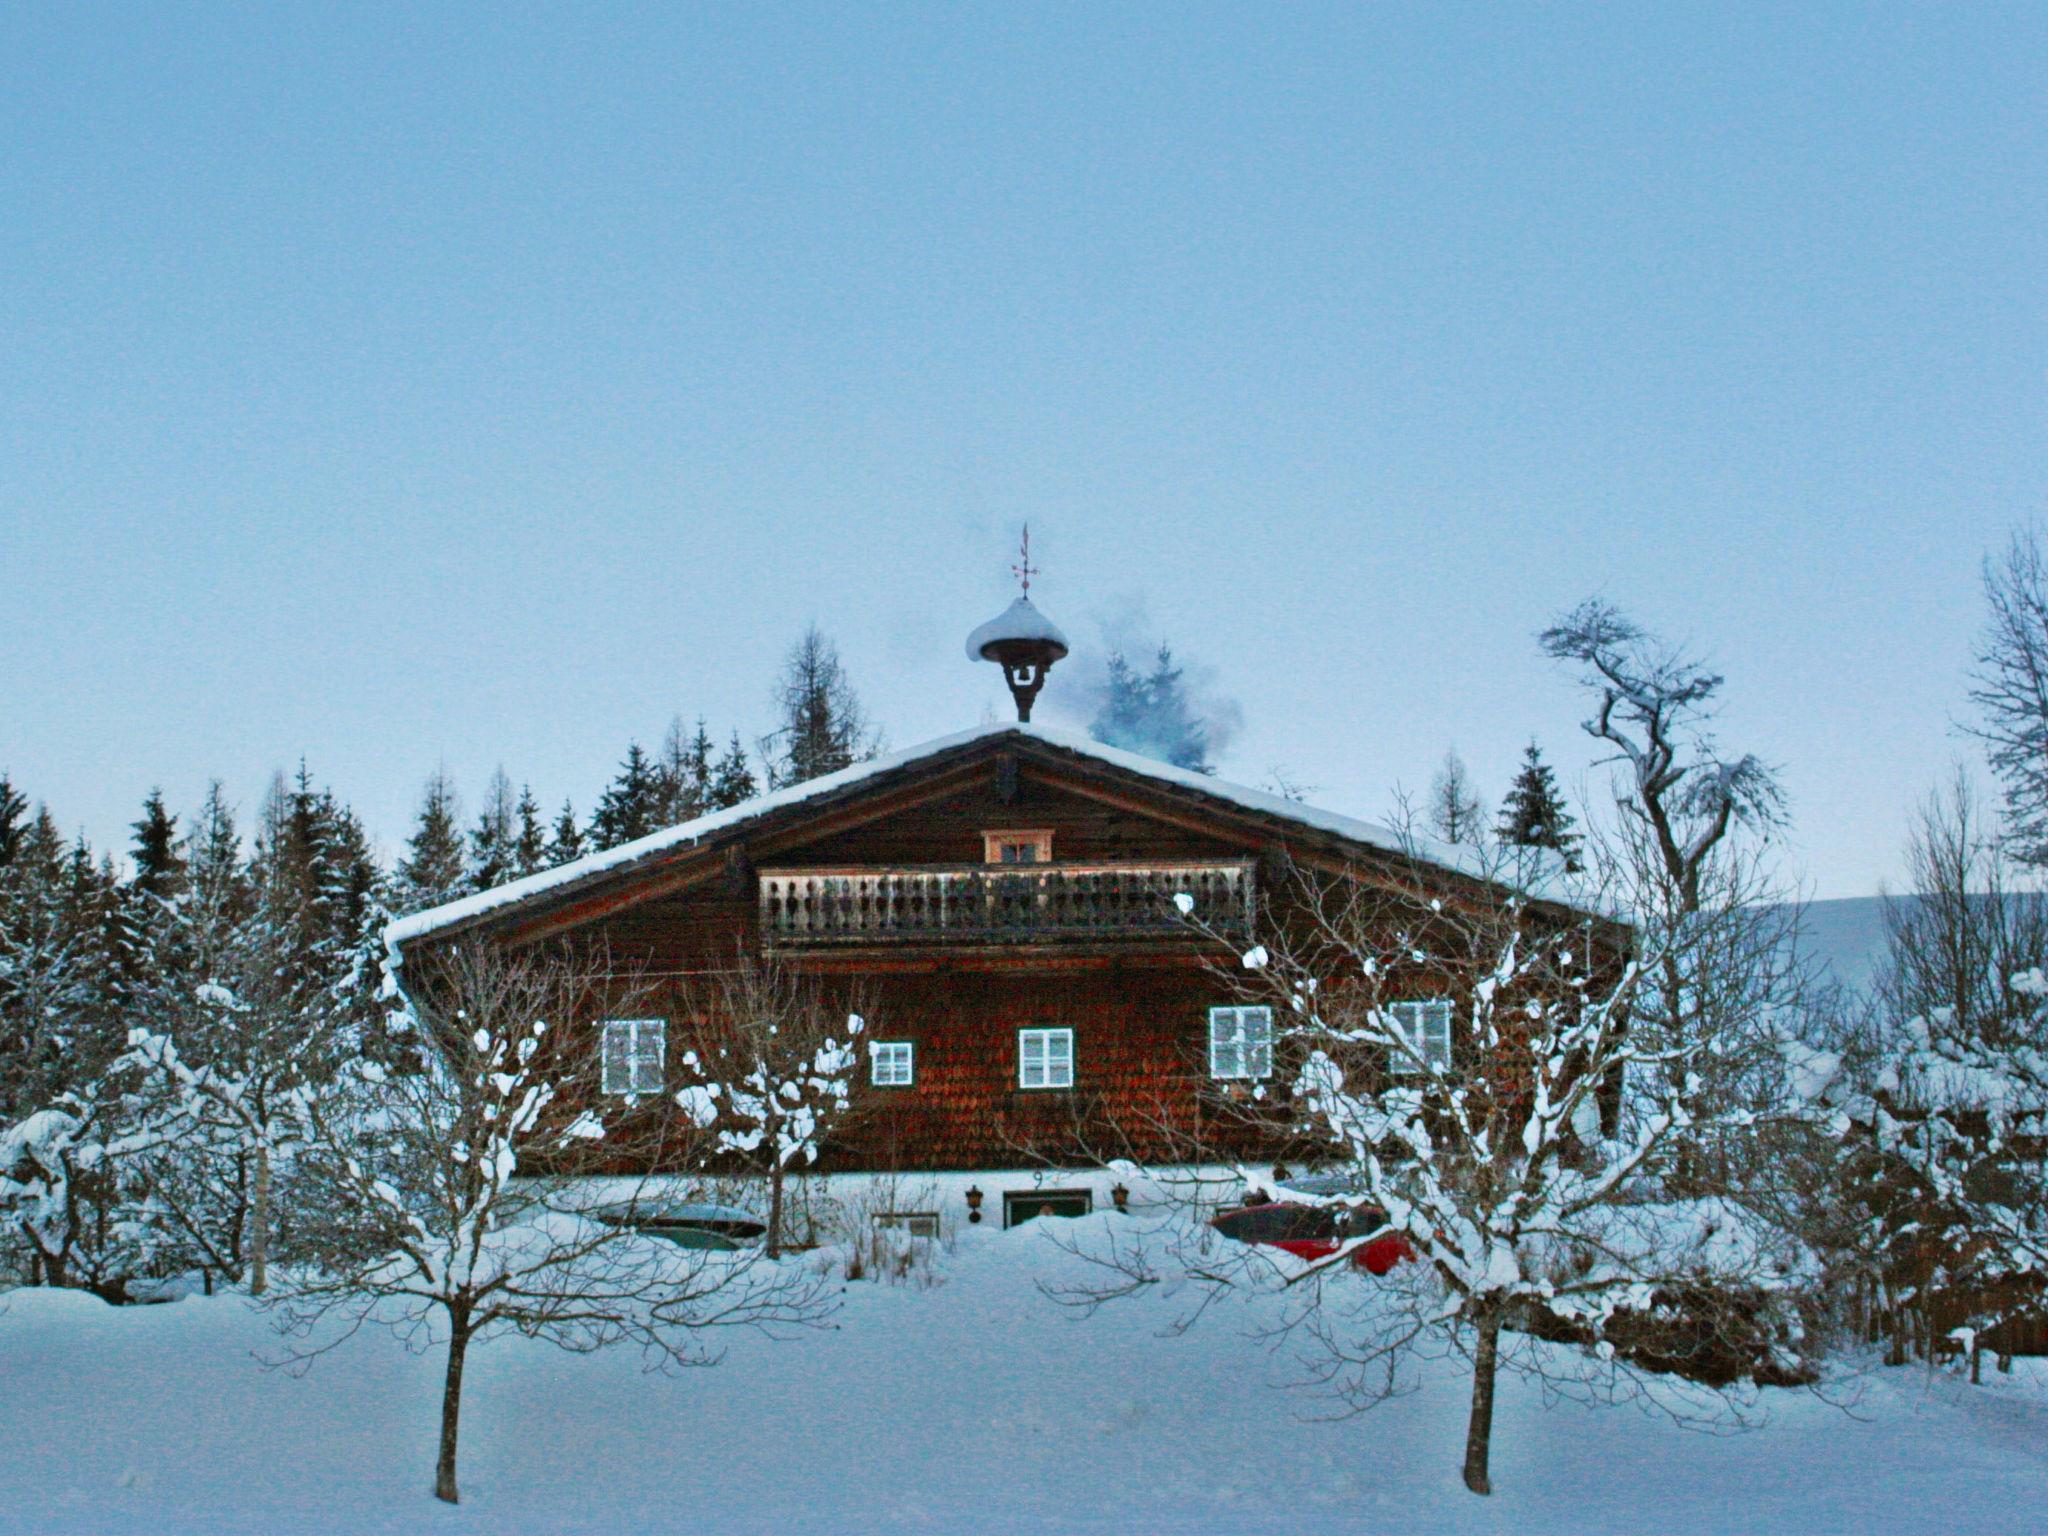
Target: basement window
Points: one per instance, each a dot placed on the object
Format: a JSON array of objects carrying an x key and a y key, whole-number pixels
[
  {"x": 894, "y": 1064},
  {"x": 1022, "y": 1205},
  {"x": 1241, "y": 1043},
  {"x": 1426, "y": 1026},
  {"x": 635, "y": 1053},
  {"x": 916, "y": 1223},
  {"x": 1016, "y": 847},
  {"x": 1045, "y": 1058}
]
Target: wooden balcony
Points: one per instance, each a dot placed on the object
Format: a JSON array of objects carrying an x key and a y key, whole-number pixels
[{"x": 1002, "y": 904}]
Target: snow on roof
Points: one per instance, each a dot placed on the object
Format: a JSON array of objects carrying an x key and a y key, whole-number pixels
[
  {"x": 1020, "y": 621},
  {"x": 404, "y": 930}
]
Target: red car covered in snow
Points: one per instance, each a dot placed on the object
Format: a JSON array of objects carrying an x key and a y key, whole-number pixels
[{"x": 1316, "y": 1231}]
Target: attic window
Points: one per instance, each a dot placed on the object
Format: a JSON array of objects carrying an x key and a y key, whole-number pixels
[{"x": 1016, "y": 847}]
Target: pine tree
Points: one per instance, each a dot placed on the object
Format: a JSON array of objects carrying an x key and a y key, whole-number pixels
[
  {"x": 13, "y": 826},
  {"x": 159, "y": 879},
  {"x": 432, "y": 870},
  {"x": 566, "y": 843},
  {"x": 732, "y": 781},
  {"x": 530, "y": 845},
  {"x": 493, "y": 842},
  {"x": 1534, "y": 816},
  {"x": 1455, "y": 814},
  {"x": 824, "y": 728},
  {"x": 631, "y": 807},
  {"x": 686, "y": 773},
  {"x": 1152, "y": 713}
]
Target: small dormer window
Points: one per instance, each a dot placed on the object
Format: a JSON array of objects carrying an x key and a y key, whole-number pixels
[{"x": 1016, "y": 847}]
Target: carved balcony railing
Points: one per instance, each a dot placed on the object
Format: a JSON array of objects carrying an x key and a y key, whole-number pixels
[{"x": 1003, "y": 904}]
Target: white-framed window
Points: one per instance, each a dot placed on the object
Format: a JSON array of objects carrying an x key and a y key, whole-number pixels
[
  {"x": 1241, "y": 1042},
  {"x": 635, "y": 1054},
  {"x": 1426, "y": 1026},
  {"x": 893, "y": 1063},
  {"x": 1031, "y": 846},
  {"x": 1045, "y": 1058}
]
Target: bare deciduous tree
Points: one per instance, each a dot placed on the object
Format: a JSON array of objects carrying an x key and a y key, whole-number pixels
[
  {"x": 773, "y": 1057},
  {"x": 452, "y": 1203},
  {"x": 2010, "y": 688}
]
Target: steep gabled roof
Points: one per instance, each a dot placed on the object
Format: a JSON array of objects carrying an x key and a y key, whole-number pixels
[{"x": 597, "y": 868}]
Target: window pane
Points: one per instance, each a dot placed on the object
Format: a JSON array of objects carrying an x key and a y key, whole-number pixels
[
  {"x": 1256, "y": 1029},
  {"x": 617, "y": 1077}
]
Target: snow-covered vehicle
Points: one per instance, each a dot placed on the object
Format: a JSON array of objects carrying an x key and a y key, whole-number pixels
[
  {"x": 1317, "y": 1231},
  {"x": 694, "y": 1224}
]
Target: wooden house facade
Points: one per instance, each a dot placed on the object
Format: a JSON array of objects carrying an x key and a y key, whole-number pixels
[{"x": 1008, "y": 904}]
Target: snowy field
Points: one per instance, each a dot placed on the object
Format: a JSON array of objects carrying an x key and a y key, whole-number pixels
[{"x": 977, "y": 1405}]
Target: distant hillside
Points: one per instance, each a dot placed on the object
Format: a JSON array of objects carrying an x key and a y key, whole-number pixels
[{"x": 1846, "y": 936}]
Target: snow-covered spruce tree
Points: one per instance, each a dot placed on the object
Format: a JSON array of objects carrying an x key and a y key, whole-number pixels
[
  {"x": 770, "y": 1068},
  {"x": 450, "y": 1204},
  {"x": 822, "y": 727},
  {"x": 565, "y": 839},
  {"x": 1534, "y": 815},
  {"x": 1486, "y": 1129},
  {"x": 631, "y": 806},
  {"x": 530, "y": 841},
  {"x": 732, "y": 781},
  {"x": 1957, "y": 1107},
  {"x": 1153, "y": 713},
  {"x": 686, "y": 770},
  {"x": 494, "y": 839},
  {"x": 254, "y": 991},
  {"x": 1455, "y": 813},
  {"x": 435, "y": 868}
]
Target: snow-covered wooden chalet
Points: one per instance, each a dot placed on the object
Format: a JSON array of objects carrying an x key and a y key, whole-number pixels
[{"x": 1005, "y": 901}]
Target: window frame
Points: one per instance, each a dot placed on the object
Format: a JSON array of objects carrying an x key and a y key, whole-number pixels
[
  {"x": 1045, "y": 1034},
  {"x": 631, "y": 1057},
  {"x": 908, "y": 1048},
  {"x": 1038, "y": 838},
  {"x": 1421, "y": 1013},
  {"x": 1246, "y": 1047}
]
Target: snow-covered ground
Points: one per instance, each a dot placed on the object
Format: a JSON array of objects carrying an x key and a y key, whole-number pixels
[{"x": 978, "y": 1405}]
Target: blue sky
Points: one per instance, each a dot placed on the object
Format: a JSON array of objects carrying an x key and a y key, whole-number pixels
[{"x": 470, "y": 386}]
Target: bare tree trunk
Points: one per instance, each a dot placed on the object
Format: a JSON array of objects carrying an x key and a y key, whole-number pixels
[
  {"x": 451, "y": 1406},
  {"x": 259, "y": 1225},
  {"x": 1479, "y": 1437},
  {"x": 775, "y": 1210}
]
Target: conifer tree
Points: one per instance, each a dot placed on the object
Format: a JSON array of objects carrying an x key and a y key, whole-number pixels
[
  {"x": 432, "y": 870},
  {"x": 732, "y": 781},
  {"x": 1455, "y": 814},
  {"x": 13, "y": 822},
  {"x": 1152, "y": 714},
  {"x": 686, "y": 773},
  {"x": 493, "y": 842},
  {"x": 824, "y": 728},
  {"x": 530, "y": 845},
  {"x": 566, "y": 842},
  {"x": 158, "y": 852},
  {"x": 631, "y": 806},
  {"x": 1534, "y": 816}
]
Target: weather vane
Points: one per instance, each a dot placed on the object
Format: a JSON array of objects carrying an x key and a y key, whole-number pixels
[{"x": 1024, "y": 570}]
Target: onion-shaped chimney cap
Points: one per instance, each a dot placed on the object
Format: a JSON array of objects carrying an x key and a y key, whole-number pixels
[{"x": 1020, "y": 623}]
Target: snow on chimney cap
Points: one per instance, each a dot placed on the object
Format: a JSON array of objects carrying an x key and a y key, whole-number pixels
[{"x": 1021, "y": 621}]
